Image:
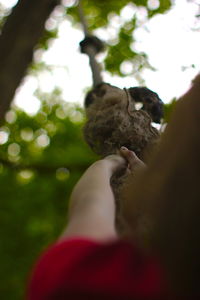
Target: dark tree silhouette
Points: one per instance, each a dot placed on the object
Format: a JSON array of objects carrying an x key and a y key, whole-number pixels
[{"x": 20, "y": 34}]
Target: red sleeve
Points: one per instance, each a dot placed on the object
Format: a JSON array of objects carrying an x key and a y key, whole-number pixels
[{"x": 78, "y": 269}]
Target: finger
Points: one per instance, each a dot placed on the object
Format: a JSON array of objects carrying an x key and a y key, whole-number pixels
[
  {"x": 129, "y": 155},
  {"x": 133, "y": 161}
]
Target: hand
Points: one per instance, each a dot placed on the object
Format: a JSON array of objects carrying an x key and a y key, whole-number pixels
[
  {"x": 133, "y": 161},
  {"x": 124, "y": 159},
  {"x": 115, "y": 162}
]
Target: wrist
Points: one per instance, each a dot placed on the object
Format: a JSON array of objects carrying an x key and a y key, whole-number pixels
[
  {"x": 114, "y": 163},
  {"x": 103, "y": 165}
]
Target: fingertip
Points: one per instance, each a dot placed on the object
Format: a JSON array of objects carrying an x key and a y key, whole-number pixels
[
  {"x": 124, "y": 148},
  {"x": 127, "y": 151}
]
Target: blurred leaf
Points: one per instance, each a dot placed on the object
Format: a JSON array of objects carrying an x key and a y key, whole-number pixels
[
  {"x": 47, "y": 36},
  {"x": 168, "y": 109}
]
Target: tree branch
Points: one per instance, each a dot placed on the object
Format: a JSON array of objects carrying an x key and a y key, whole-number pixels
[{"x": 20, "y": 34}]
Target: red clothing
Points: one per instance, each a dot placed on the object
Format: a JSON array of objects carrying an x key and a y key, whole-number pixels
[{"x": 81, "y": 269}]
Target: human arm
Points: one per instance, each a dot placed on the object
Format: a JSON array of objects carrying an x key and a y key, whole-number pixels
[
  {"x": 92, "y": 210},
  {"x": 82, "y": 265},
  {"x": 92, "y": 205}
]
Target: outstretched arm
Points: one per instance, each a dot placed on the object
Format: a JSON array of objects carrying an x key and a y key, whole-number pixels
[{"x": 92, "y": 211}]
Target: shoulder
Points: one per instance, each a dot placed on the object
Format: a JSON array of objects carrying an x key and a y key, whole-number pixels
[{"x": 85, "y": 266}]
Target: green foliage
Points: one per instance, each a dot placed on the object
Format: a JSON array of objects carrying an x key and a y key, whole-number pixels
[
  {"x": 36, "y": 68},
  {"x": 119, "y": 52},
  {"x": 122, "y": 53},
  {"x": 41, "y": 159},
  {"x": 168, "y": 109},
  {"x": 99, "y": 14},
  {"x": 97, "y": 11},
  {"x": 164, "y": 6},
  {"x": 47, "y": 36}
]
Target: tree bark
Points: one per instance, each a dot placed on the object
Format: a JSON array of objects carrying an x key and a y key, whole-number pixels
[
  {"x": 20, "y": 34},
  {"x": 162, "y": 205}
]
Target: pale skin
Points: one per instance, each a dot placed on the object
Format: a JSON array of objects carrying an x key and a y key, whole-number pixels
[{"x": 92, "y": 210}]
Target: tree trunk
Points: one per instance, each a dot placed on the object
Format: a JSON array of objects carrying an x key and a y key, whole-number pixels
[
  {"x": 163, "y": 205},
  {"x": 20, "y": 34}
]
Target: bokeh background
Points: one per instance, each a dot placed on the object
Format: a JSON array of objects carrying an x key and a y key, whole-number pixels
[{"x": 42, "y": 150}]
